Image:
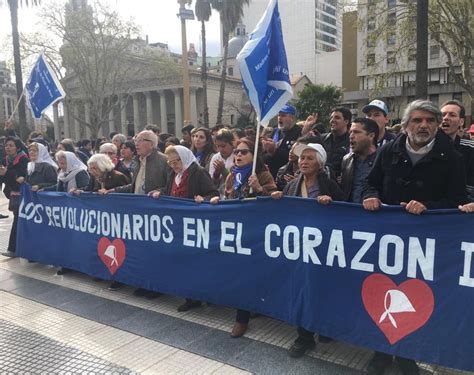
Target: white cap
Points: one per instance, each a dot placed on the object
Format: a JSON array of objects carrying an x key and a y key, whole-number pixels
[{"x": 300, "y": 147}]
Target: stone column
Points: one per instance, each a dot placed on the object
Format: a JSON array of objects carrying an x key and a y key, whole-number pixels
[
  {"x": 194, "y": 114},
  {"x": 136, "y": 114},
  {"x": 57, "y": 132},
  {"x": 149, "y": 108},
  {"x": 178, "y": 115},
  {"x": 111, "y": 121},
  {"x": 87, "y": 115},
  {"x": 67, "y": 133},
  {"x": 123, "y": 115},
  {"x": 77, "y": 124},
  {"x": 163, "y": 114}
]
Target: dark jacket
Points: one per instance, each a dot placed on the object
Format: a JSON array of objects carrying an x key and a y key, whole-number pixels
[
  {"x": 82, "y": 180},
  {"x": 156, "y": 174},
  {"x": 347, "y": 175},
  {"x": 336, "y": 148},
  {"x": 438, "y": 180},
  {"x": 326, "y": 187},
  {"x": 199, "y": 183},
  {"x": 466, "y": 148},
  {"x": 286, "y": 140},
  {"x": 18, "y": 168},
  {"x": 265, "y": 179},
  {"x": 44, "y": 175},
  {"x": 287, "y": 169},
  {"x": 112, "y": 180}
]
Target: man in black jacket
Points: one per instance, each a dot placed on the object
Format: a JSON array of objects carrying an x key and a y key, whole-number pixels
[
  {"x": 418, "y": 170},
  {"x": 336, "y": 142},
  {"x": 454, "y": 116}
]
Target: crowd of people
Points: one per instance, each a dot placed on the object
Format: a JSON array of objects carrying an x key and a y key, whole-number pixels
[{"x": 426, "y": 162}]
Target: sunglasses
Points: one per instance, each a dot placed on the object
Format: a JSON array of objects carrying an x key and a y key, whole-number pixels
[{"x": 242, "y": 151}]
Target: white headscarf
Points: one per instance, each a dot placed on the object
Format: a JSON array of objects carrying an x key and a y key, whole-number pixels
[
  {"x": 43, "y": 157},
  {"x": 73, "y": 167},
  {"x": 187, "y": 158}
]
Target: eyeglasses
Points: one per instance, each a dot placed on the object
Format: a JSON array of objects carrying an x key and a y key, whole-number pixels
[
  {"x": 140, "y": 140},
  {"x": 173, "y": 162},
  {"x": 243, "y": 151}
]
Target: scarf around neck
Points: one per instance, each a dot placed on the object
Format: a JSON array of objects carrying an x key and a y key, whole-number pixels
[
  {"x": 241, "y": 175},
  {"x": 187, "y": 158}
]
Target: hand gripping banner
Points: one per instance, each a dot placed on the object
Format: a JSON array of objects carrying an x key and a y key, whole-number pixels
[{"x": 386, "y": 280}]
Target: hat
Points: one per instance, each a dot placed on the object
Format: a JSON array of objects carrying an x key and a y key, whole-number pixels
[
  {"x": 376, "y": 104},
  {"x": 300, "y": 147},
  {"x": 471, "y": 129},
  {"x": 288, "y": 109}
]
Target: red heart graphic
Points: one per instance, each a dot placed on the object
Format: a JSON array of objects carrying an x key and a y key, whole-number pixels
[
  {"x": 397, "y": 310},
  {"x": 112, "y": 253}
]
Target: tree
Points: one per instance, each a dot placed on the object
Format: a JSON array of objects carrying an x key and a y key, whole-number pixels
[
  {"x": 203, "y": 13},
  {"x": 13, "y": 5},
  {"x": 317, "y": 99},
  {"x": 101, "y": 58},
  {"x": 231, "y": 12},
  {"x": 450, "y": 23}
]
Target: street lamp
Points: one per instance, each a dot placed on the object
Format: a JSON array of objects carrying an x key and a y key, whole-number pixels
[{"x": 184, "y": 14}]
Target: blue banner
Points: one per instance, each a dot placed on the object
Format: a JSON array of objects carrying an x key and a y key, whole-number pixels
[
  {"x": 43, "y": 88},
  {"x": 264, "y": 67},
  {"x": 386, "y": 280}
]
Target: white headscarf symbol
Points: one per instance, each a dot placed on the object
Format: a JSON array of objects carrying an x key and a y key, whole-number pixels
[
  {"x": 187, "y": 158},
  {"x": 43, "y": 157}
]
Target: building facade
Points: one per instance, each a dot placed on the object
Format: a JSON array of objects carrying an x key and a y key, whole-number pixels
[
  {"x": 310, "y": 27},
  {"x": 384, "y": 70}
]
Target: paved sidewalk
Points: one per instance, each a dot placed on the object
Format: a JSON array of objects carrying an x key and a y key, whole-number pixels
[{"x": 72, "y": 324}]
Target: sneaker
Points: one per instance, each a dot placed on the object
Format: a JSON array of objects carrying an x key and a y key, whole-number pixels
[
  {"x": 324, "y": 339},
  {"x": 150, "y": 294},
  {"x": 140, "y": 292},
  {"x": 188, "y": 305},
  {"x": 379, "y": 363},
  {"x": 300, "y": 347},
  {"x": 115, "y": 285},
  {"x": 9, "y": 254},
  {"x": 407, "y": 366}
]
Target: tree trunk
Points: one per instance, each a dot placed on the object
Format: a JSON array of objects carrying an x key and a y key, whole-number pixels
[
  {"x": 204, "y": 75},
  {"x": 13, "y": 4},
  {"x": 220, "y": 104},
  {"x": 422, "y": 49}
]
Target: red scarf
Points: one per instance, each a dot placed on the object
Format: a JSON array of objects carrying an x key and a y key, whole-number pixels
[{"x": 180, "y": 191}]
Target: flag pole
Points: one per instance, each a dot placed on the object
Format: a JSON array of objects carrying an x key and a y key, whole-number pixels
[
  {"x": 255, "y": 150},
  {"x": 17, "y": 104}
]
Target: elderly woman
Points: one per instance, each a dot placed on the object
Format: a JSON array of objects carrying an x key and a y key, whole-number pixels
[
  {"x": 42, "y": 169},
  {"x": 187, "y": 180},
  {"x": 315, "y": 184},
  {"x": 110, "y": 150},
  {"x": 14, "y": 167},
  {"x": 118, "y": 140},
  {"x": 72, "y": 173},
  {"x": 240, "y": 183},
  {"x": 203, "y": 146}
]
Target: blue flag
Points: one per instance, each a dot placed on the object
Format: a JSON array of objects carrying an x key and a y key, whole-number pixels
[
  {"x": 264, "y": 67},
  {"x": 43, "y": 88}
]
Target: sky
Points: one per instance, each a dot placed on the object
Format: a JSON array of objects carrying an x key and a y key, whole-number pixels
[{"x": 156, "y": 18}]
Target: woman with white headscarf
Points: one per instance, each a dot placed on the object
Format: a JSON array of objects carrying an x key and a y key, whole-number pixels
[
  {"x": 187, "y": 180},
  {"x": 42, "y": 169},
  {"x": 72, "y": 173}
]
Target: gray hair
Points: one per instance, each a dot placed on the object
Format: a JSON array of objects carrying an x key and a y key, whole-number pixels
[
  {"x": 122, "y": 138},
  {"x": 421, "y": 105},
  {"x": 102, "y": 161},
  {"x": 149, "y": 136},
  {"x": 105, "y": 147}
]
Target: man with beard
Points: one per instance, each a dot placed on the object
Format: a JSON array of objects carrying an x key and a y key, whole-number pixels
[
  {"x": 356, "y": 165},
  {"x": 278, "y": 148},
  {"x": 336, "y": 142},
  {"x": 418, "y": 170},
  {"x": 454, "y": 116}
]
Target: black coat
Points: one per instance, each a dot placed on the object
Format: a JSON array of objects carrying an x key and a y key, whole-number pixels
[
  {"x": 18, "y": 168},
  {"x": 326, "y": 187},
  {"x": 43, "y": 175},
  {"x": 438, "y": 180}
]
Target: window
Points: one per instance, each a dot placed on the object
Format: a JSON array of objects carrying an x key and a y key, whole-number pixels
[
  {"x": 457, "y": 96},
  {"x": 232, "y": 119},
  {"x": 412, "y": 54},
  {"x": 392, "y": 19},
  {"x": 434, "y": 52},
  {"x": 390, "y": 57},
  {"x": 391, "y": 38},
  {"x": 231, "y": 71},
  {"x": 371, "y": 24},
  {"x": 371, "y": 42},
  {"x": 434, "y": 98},
  {"x": 391, "y": 3},
  {"x": 370, "y": 59}
]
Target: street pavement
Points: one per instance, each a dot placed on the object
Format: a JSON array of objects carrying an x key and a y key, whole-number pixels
[{"x": 72, "y": 324}]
